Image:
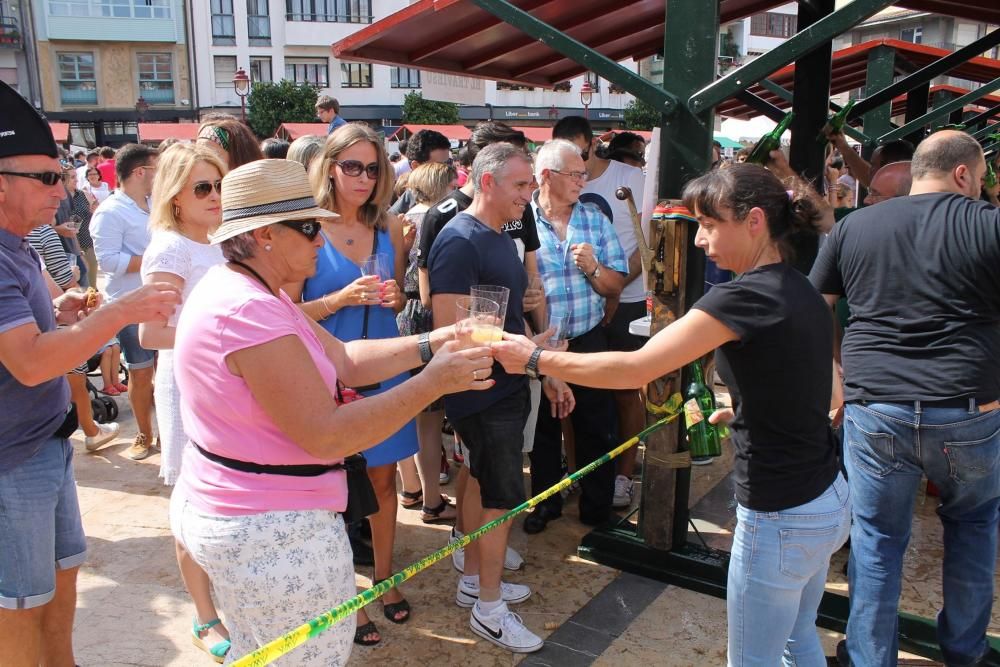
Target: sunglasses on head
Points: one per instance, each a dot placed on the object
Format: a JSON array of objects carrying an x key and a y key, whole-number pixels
[
  {"x": 308, "y": 228},
  {"x": 204, "y": 188},
  {"x": 355, "y": 167},
  {"x": 46, "y": 177}
]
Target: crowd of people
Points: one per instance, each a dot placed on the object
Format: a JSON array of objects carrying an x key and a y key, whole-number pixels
[{"x": 289, "y": 307}]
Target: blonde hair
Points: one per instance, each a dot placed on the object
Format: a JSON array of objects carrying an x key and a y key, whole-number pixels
[
  {"x": 430, "y": 181},
  {"x": 373, "y": 212},
  {"x": 172, "y": 173}
]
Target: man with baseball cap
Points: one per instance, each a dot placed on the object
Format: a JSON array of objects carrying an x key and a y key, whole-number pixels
[{"x": 43, "y": 541}]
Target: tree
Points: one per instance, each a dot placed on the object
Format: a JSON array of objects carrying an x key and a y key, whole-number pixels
[
  {"x": 272, "y": 104},
  {"x": 419, "y": 111},
  {"x": 640, "y": 116}
]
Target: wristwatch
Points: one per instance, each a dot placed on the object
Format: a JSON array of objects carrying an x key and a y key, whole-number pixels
[
  {"x": 424, "y": 345},
  {"x": 597, "y": 272},
  {"x": 531, "y": 369}
]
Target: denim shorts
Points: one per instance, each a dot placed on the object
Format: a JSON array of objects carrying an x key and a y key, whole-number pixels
[
  {"x": 40, "y": 524},
  {"x": 136, "y": 356},
  {"x": 494, "y": 439}
]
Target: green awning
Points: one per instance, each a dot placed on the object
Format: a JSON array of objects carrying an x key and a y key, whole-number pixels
[{"x": 727, "y": 142}]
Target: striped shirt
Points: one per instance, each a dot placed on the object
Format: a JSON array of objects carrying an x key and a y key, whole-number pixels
[
  {"x": 49, "y": 247},
  {"x": 568, "y": 292}
]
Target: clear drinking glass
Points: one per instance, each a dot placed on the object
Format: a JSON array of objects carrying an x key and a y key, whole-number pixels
[
  {"x": 558, "y": 337},
  {"x": 496, "y": 293},
  {"x": 379, "y": 266},
  {"x": 477, "y": 322}
]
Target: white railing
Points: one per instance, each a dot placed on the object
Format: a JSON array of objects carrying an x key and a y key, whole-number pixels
[{"x": 124, "y": 9}]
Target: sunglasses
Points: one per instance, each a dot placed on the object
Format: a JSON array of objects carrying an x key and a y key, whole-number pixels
[
  {"x": 204, "y": 188},
  {"x": 308, "y": 228},
  {"x": 46, "y": 177},
  {"x": 355, "y": 167}
]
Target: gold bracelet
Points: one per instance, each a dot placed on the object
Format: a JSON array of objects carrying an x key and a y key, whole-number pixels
[{"x": 327, "y": 306}]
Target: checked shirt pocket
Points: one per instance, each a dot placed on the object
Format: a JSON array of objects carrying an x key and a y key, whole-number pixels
[
  {"x": 871, "y": 451},
  {"x": 973, "y": 460},
  {"x": 804, "y": 550}
]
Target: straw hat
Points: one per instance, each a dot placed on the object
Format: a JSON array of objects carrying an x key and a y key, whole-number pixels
[{"x": 264, "y": 192}]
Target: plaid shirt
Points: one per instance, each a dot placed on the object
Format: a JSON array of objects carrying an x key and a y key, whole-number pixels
[{"x": 568, "y": 292}]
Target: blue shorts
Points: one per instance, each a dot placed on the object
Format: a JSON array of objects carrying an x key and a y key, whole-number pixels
[
  {"x": 40, "y": 524},
  {"x": 136, "y": 356}
]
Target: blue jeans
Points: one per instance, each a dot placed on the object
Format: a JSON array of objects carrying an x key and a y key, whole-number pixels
[
  {"x": 777, "y": 573},
  {"x": 888, "y": 448}
]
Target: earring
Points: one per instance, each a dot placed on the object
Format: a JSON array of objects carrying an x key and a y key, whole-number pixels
[{"x": 268, "y": 247}]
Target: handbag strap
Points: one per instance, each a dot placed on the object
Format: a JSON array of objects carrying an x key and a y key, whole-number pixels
[{"x": 364, "y": 326}]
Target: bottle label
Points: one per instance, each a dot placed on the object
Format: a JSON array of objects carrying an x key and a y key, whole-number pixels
[{"x": 692, "y": 413}]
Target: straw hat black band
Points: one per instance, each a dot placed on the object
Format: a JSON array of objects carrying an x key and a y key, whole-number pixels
[{"x": 270, "y": 208}]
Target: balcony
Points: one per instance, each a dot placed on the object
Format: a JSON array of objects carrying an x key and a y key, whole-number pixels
[
  {"x": 10, "y": 33},
  {"x": 114, "y": 20},
  {"x": 157, "y": 92},
  {"x": 78, "y": 93}
]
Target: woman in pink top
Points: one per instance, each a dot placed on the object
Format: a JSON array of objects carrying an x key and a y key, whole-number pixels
[{"x": 258, "y": 381}]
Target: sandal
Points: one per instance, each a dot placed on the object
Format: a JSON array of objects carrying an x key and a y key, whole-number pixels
[
  {"x": 110, "y": 390},
  {"x": 217, "y": 651},
  {"x": 390, "y": 609},
  {"x": 412, "y": 500},
  {"x": 442, "y": 513},
  {"x": 367, "y": 629}
]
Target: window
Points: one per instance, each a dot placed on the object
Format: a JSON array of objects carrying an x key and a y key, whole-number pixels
[
  {"x": 260, "y": 69},
  {"x": 315, "y": 71},
  {"x": 225, "y": 70},
  {"x": 913, "y": 35},
  {"x": 258, "y": 23},
  {"x": 329, "y": 11},
  {"x": 405, "y": 77},
  {"x": 223, "y": 23},
  {"x": 771, "y": 24},
  {"x": 77, "y": 83},
  {"x": 156, "y": 79},
  {"x": 355, "y": 75},
  {"x": 594, "y": 80},
  {"x": 141, "y": 9}
]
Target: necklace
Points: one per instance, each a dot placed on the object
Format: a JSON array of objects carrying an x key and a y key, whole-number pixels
[
  {"x": 253, "y": 273},
  {"x": 349, "y": 241}
]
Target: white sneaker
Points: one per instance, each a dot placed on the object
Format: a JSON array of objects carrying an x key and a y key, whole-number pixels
[
  {"x": 468, "y": 594},
  {"x": 623, "y": 493},
  {"x": 511, "y": 560},
  {"x": 505, "y": 629},
  {"x": 105, "y": 434}
]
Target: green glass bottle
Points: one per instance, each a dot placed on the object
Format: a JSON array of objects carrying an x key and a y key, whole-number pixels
[
  {"x": 761, "y": 152},
  {"x": 699, "y": 404}
]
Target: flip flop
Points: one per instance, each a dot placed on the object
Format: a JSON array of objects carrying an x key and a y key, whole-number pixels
[{"x": 412, "y": 500}]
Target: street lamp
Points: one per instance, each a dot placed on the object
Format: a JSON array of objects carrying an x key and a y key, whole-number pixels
[
  {"x": 141, "y": 107},
  {"x": 241, "y": 82},
  {"x": 586, "y": 97}
]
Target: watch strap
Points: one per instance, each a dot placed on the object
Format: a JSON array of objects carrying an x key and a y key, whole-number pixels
[
  {"x": 531, "y": 368},
  {"x": 424, "y": 345}
]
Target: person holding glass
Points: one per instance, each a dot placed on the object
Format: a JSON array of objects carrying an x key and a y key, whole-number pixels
[{"x": 355, "y": 299}]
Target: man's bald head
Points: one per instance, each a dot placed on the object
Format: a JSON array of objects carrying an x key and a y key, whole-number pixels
[
  {"x": 892, "y": 180},
  {"x": 948, "y": 161}
]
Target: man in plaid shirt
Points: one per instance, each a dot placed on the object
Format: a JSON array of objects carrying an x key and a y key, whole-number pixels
[{"x": 582, "y": 265}]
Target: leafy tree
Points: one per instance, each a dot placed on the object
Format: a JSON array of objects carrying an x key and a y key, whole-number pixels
[
  {"x": 271, "y": 104},
  {"x": 640, "y": 116},
  {"x": 419, "y": 111}
]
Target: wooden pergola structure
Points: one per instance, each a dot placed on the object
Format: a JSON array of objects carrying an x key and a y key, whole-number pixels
[{"x": 545, "y": 42}]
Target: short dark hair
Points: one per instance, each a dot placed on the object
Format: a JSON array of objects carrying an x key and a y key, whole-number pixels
[
  {"x": 107, "y": 152},
  {"x": 941, "y": 153},
  {"x": 274, "y": 148},
  {"x": 403, "y": 145},
  {"x": 492, "y": 132},
  {"x": 131, "y": 157},
  {"x": 571, "y": 127},
  {"x": 423, "y": 142},
  {"x": 328, "y": 103},
  {"x": 78, "y": 154}
]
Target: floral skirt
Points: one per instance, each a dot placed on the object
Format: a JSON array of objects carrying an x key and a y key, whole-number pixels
[{"x": 271, "y": 573}]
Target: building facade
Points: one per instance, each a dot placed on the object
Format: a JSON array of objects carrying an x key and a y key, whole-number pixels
[
  {"x": 104, "y": 65},
  {"x": 291, "y": 39},
  {"x": 16, "y": 58}
]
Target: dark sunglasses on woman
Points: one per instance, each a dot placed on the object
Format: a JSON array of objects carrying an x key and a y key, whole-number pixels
[
  {"x": 204, "y": 188},
  {"x": 308, "y": 228},
  {"x": 355, "y": 167},
  {"x": 46, "y": 177}
]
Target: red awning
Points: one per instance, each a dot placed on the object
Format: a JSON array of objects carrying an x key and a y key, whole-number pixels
[
  {"x": 60, "y": 132},
  {"x": 457, "y": 37},
  {"x": 850, "y": 68},
  {"x": 292, "y": 131},
  {"x": 536, "y": 135},
  {"x": 456, "y": 132},
  {"x": 157, "y": 132}
]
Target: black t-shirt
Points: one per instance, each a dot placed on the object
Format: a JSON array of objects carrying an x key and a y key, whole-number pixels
[
  {"x": 468, "y": 253},
  {"x": 922, "y": 279},
  {"x": 779, "y": 374},
  {"x": 522, "y": 231}
]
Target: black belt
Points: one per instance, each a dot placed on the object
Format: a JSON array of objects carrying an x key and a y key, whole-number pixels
[{"x": 303, "y": 470}]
